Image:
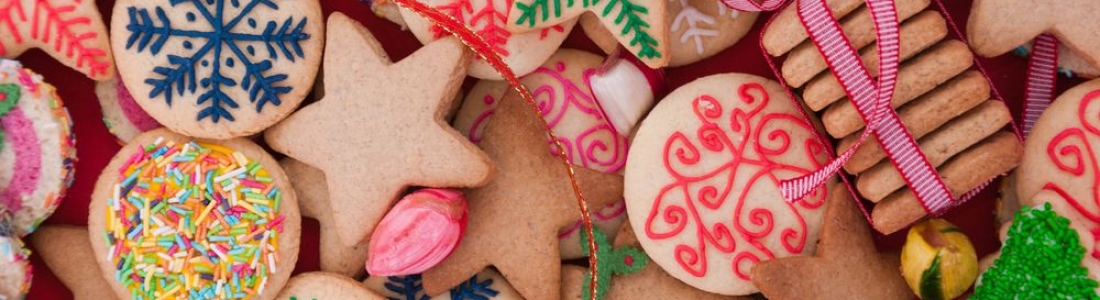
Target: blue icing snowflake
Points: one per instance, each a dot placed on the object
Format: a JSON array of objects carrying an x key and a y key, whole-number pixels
[
  {"x": 411, "y": 288},
  {"x": 262, "y": 86}
]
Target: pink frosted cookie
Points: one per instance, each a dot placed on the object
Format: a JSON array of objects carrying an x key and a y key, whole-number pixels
[
  {"x": 37, "y": 147},
  {"x": 15, "y": 269},
  {"x": 560, "y": 87},
  {"x": 122, "y": 115},
  {"x": 702, "y": 181},
  {"x": 1060, "y": 163},
  {"x": 523, "y": 52}
]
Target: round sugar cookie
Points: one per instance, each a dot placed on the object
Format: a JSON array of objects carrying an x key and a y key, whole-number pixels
[
  {"x": 218, "y": 69},
  {"x": 173, "y": 217},
  {"x": 123, "y": 116},
  {"x": 1061, "y": 159},
  {"x": 38, "y": 148},
  {"x": 702, "y": 181},
  {"x": 15, "y": 268},
  {"x": 523, "y": 52},
  {"x": 560, "y": 86},
  {"x": 698, "y": 29},
  {"x": 487, "y": 284}
]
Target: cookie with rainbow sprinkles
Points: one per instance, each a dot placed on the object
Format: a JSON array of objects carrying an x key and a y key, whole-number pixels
[
  {"x": 174, "y": 217},
  {"x": 37, "y": 147}
]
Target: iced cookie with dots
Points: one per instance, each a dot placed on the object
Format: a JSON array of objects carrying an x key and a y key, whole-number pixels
[
  {"x": 37, "y": 147},
  {"x": 561, "y": 88},
  {"x": 522, "y": 51},
  {"x": 703, "y": 176},
  {"x": 123, "y": 116},
  {"x": 70, "y": 31},
  {"x": 487, "y": 285},
  {"x": 325, "y": 286},
  {"x": 698, "y": 29},
  {"x": 174, "y": 217},
  {"x": 218, "y": 69}
]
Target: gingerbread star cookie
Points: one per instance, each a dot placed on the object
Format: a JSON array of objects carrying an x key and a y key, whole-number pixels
[
  {"x": 998, "y": 26},
  {"x": 70, "y": 31},
  {"x": 312, "y": 188},
  {"x": 380, "y": 128},
  {"x": 218, "y": 69},
  {"x": 522, "y": 51},
  {"x": 846, "y": 265},
  {"x": 515, "y": 219},
  {"x": 68, "y": 253},
  {"x": 650, "y": 282},
  {"x": 639, "y": 25},
  {"x": 325, "y": 286}
]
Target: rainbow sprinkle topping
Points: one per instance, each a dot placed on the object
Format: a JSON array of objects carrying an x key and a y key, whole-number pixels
[{"x": 193, "y": 221}]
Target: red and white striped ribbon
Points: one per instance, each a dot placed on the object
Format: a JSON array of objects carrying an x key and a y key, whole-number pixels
[
  {"x": 750, "y": 5},
  {"x": 1042, "y": 72}
]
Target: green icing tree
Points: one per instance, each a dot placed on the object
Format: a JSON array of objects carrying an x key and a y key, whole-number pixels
[{"x": 1041, "y": 259}]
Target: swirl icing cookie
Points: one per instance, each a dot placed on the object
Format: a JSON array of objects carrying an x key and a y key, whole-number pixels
[
  {"x": 173, "y": 218},
  {"x": 561, "y": 88},
  {"x": 698, "y": 29},
  {"x": 702, "y": 181},
  {"x": 70, "y": 31},
  {"x": 218, "y": 69},
  {"x": 1061, "y": 160},
  {"x": 37, "y": 147},
  {"x": 522, "y": 51},
  {"x": 15, "y": 268},
  {"x": 123, "y": 116}
]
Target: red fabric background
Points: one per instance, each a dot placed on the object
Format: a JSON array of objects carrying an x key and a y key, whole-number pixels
[{"x": 96, "y": 145}]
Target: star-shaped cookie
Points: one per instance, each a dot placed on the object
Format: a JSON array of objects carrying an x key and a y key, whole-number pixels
[
  {"x": 380, "y": 127},
  {"x": 638, "y": 25},
  {"x": 70, "y": 31},
  {"x": 311, "y": 186},
  {"x": 846, "y": 265},
  {"x": 68, "y": 253},
  {"x": 998, "y": 26},
  {"x": 651, "y": 282},
  {"x": 515, "y": 219}
]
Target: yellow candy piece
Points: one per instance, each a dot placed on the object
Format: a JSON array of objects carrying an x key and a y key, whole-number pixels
[{"x": 938, "y": 261}]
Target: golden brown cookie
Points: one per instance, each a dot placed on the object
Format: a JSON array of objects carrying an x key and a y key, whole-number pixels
[
  {"x": 380, "y": 128},
  {"x": 998, "y": 26},
  {"x": 68, "y": 253},
  {"x": 515, "y": 219},
  {"x": 336, "y": 256}
]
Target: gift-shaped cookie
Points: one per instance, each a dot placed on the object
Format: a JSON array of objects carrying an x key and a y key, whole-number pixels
[{"x": 945, "y": 108}]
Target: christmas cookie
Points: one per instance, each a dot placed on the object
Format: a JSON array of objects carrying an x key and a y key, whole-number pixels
[
  {"x": 639, "y": 25},
  {"x": 522, "y": 51},
  {"x": 218, "y": 69},
  {"x": 324, "y": 286},
  {"x": 174, "y": 217},
  {"x": 37, "y": 147},
  {"x": 70, "y": 31},
  {"x": 121, "y": 113},
  {"x": 68, "y": 253},
  {"x": 486, "y": 285},
  {"x": 15, "y": 268},
  {"x": 561, "y": 88},
  {"x": 846, "y": 265},
  {"x": 698, "y": 29},
  {"x": 944, "y": 107},
  {"x": 516, "y": 218},
  {"x": 996, "y": 27},
  {"x": 1070, "y": 64},
  {"x": 702, "y": 181},
  {"x": 312, "y": 189},
  {"x": 407, "y": 103},
  {"x": 1061, "y": 160}
]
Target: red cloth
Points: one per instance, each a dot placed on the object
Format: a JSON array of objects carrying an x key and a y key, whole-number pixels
[{"x": 96, "y": 145}]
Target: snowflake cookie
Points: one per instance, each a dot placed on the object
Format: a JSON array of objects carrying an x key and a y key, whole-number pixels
[
  {"x": 71, "y": 31},
  {"x": 218, "y": 68},
  {"x": 702, "y": 181}
]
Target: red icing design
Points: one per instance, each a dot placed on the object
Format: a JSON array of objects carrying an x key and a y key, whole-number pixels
[
  {"x": 491, "y": 21},
  {"x": 19, "y": 131},
  {"x": 750, "y": 144},
  {"x": 51, "y": 24},
  {"x": 591, "y": 142},
  {"x": 1072, "y": 152}
]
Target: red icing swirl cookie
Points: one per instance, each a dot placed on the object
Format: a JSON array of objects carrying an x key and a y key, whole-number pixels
[{"x": 702, "y": 181}]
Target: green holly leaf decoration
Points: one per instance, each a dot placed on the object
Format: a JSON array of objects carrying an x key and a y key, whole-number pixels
[
  {"x": 612, "y": 262},
  {"x": 629, "y": 17},
  {"x": 930, "y": 281}
]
